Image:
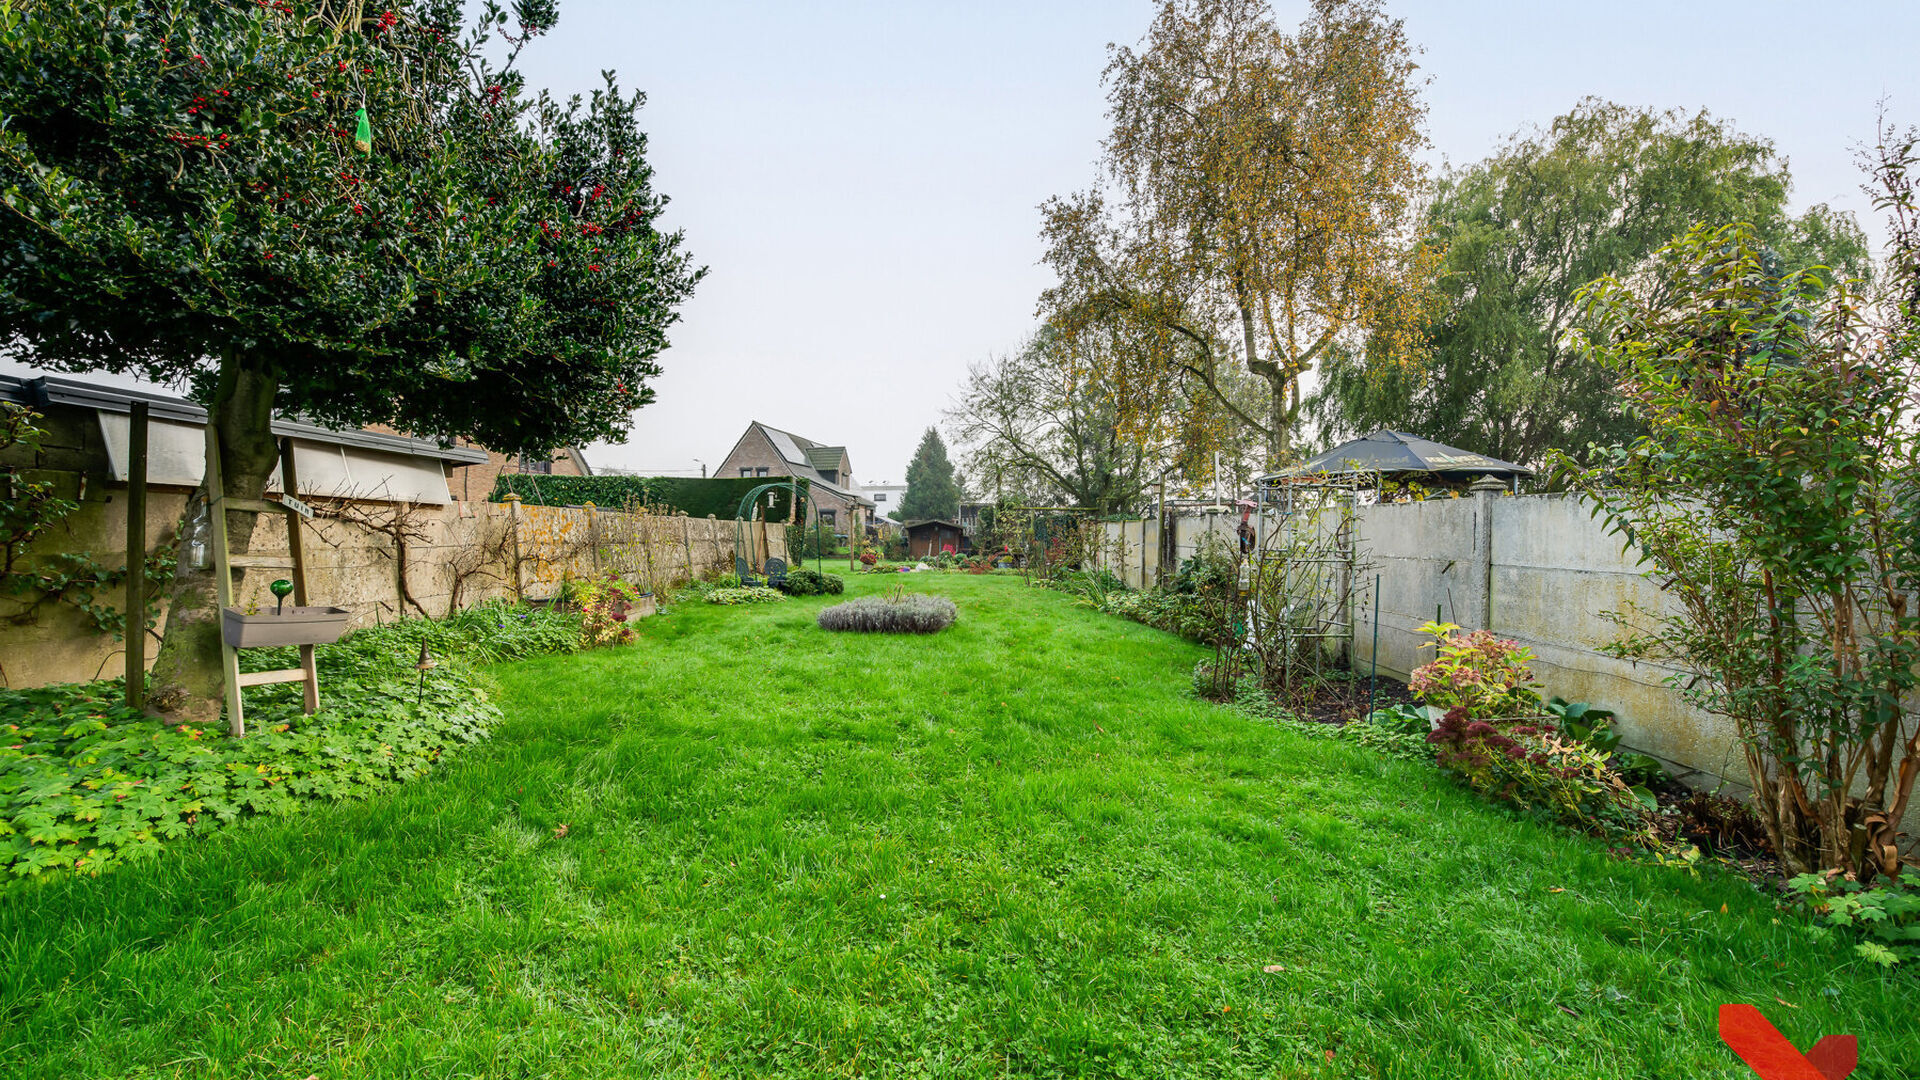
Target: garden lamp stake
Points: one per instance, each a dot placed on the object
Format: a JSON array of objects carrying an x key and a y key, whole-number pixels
[{"x": 425, "y": 665}]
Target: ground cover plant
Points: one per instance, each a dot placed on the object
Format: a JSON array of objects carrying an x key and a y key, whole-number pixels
[
  {"x": 804, "y": 582},
  {"x": 1028, "y": 850},
  {"x": 735, "y": 595},
  {"x": 87, "y": 784}
]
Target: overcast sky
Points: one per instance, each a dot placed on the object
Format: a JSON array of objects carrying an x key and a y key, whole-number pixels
[{"x": 862, "y": 178}]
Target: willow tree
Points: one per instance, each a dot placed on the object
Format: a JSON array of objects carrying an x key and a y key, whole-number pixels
[
  {"x": 1262, "y": 182},
  {"x": 319, "y": 208},
  {"x": 1595, "y": 194}
]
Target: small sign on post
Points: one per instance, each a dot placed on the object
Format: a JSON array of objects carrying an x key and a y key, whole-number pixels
[{"x": 297, "y": 506}]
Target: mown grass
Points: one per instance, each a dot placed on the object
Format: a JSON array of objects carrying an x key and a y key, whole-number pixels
[{"x": 745, "y": 847}]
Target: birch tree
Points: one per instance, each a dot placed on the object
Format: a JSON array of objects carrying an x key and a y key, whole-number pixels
[{"x": 1261, "y": 188}]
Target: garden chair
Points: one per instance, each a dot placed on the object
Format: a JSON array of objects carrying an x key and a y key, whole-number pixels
[
  {"x": 776, "y": 571},
  {"x": 743, "y": 571}
]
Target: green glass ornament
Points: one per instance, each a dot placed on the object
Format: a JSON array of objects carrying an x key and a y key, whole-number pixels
[{"x": 280, "y": 589}]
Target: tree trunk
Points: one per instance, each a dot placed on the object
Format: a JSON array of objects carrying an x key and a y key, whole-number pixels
[
  {"x": 1279, "y": 410},
  {"x": 1280, "y": 435},
  {"x": 185, "y": 683}
]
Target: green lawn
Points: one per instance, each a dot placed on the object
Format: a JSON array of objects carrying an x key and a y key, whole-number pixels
[{"x": 743, "y": 847}]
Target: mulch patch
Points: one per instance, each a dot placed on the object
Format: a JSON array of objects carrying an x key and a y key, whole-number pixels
[{"x": 1343, "y": 699}]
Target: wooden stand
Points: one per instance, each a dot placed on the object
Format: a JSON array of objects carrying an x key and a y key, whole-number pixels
[
  {"x": 136, "y": 608},
  {"x": 225, "y": 562}
]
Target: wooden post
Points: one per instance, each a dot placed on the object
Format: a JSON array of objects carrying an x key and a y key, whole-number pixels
[
  {"x": 644, "y": 522},
  {"x": 222, "y": 578},
  {"x": 296, "y": 547},
  {"x": 137, "y": 557}
]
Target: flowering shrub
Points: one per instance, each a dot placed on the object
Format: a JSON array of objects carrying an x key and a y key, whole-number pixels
[
  {"x": 868, "y": 556},
  {"x": 1534, "y": 768},
  {"x": 1489, "y": 677},
  {"x": 603, "y": 606}
]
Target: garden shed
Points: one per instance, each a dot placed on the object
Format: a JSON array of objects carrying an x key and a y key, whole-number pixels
[{"x": 933, "y": 536}]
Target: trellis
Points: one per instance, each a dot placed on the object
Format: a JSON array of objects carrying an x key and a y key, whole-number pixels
[{"x": 1301, "y": 579}]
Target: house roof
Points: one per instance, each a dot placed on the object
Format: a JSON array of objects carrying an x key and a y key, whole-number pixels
[
  {"x": 933, "y": 521},
  {"x": 800, "y": 454},
  {"x": 826, "y": 457},
  {"x": 44, "y": 390}
]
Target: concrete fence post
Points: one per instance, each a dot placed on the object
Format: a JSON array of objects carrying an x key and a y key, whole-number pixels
[
  {"x": 1485, "y": 490},
  {"x": 593, "y": 536},
  {"x": 513, "y": 553},
  {"x": 686, "y": 534}
]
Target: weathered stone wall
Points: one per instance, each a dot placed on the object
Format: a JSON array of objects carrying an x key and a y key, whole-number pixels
[{"x": 381, "y": 561}]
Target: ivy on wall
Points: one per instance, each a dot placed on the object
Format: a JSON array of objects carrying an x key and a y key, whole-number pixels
[{"x": 30, "y": 505}]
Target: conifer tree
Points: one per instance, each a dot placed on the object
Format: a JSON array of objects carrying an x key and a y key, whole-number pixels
[{"x": 933, "y": 490}]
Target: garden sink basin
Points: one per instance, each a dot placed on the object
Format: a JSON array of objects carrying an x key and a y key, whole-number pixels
[{"x": 288, "y": 626}]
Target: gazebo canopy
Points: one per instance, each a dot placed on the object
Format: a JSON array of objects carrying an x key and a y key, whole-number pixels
[{"x": 1391, "y": 453}]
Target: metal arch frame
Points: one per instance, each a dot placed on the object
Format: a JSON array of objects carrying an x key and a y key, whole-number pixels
[{"x": 750, "y": 505}]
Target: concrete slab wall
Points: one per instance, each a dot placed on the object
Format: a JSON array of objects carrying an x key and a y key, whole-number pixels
[
  {"x": 1533, "y": 568},
  {"x": 1131, "y": 550},
  {"x": 1547, "y": 578}
]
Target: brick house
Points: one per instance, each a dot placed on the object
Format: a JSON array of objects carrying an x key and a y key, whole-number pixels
[
  {"x": 473, "y": 483},
  {"x": 837, "y": 497}
]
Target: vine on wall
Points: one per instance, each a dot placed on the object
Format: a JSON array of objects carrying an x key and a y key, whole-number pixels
[{"x": 30, "y": 506}]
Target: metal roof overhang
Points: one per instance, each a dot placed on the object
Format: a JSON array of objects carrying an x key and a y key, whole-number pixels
[{"x": 48, "y": 390}]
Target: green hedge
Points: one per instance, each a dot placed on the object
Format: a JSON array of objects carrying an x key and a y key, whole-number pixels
[{"x": 719, "y": 497}]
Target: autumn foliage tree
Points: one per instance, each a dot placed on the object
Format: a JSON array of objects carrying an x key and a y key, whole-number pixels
[
  {"x": 1038, "y": 423},
  {"x": 1260, "y": 192},
  {"x": 353, "y": 213},
  {"x": 1096, "y": 426}
]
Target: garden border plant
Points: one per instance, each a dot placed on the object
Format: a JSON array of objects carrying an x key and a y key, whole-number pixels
[
  {"x": 899, "y": 612},
  {"x": 1777, "y": 500}
]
